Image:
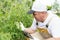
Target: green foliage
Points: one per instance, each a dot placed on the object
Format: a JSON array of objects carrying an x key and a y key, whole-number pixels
[
  {"x": 56, "y": 7},
  {"x": 12, "y": 11},
  {"x": 49, "y": 7}
]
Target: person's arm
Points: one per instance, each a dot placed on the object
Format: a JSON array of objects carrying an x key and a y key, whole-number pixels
[
  {"x": 29, "y": 30},
  {"x": 32, "y": 29}
]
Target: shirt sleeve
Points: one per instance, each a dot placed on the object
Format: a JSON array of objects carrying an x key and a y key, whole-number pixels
[
  {"x": 34, "y": 26},
  {"x": 56, "y": 29}
]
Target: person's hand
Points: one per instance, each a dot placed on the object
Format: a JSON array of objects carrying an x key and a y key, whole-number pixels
[
  {"x": 27, "y": 34},
  {"x": 22, "y": 26}
]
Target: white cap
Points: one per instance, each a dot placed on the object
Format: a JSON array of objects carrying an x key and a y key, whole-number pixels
[
  {"x": 37, "y": 6},
  {"x": 46, "y": 2}
]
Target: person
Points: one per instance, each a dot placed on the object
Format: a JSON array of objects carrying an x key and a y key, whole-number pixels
[{"x": 46, "y": 19}]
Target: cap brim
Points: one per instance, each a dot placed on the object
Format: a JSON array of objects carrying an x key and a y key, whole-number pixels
[{"x": 31, "y": 12}]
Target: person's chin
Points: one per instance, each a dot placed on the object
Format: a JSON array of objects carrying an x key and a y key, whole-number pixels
[{"x": 39, "y": 20}]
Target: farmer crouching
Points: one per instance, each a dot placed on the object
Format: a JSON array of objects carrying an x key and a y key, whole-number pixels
[{"x": 44, "y": 20}]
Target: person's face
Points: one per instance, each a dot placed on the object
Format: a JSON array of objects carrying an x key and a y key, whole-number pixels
[{"x": 40, "y": 16}]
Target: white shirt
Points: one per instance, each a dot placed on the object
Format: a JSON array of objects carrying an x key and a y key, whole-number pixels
[{"x": 53, "y": 22}]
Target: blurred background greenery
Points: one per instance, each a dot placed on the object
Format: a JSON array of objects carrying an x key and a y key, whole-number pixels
[{"x": 12, "y": 12}]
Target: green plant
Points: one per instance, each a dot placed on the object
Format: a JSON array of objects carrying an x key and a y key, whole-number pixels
[{"x": 12, "y": 11}]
